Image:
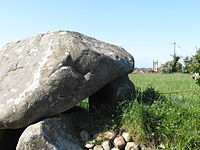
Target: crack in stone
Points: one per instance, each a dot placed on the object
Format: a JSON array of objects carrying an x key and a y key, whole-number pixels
[{"x": 14, "y": 69}]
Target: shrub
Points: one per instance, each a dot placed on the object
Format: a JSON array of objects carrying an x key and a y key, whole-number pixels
[
  {"x": 152, "y": 71},
  {"x": 187, "y": 62},
  {"x": 195, "y": 66},
  {"x": 172, "y": 66},
  {"x": 148, "y": 96}
]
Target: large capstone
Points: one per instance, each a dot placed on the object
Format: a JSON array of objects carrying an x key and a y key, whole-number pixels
[{"x": 45, "y": 74}]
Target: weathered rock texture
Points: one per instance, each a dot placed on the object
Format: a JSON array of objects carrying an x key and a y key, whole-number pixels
[
  {"x": 57, "y": 133},
  {"x": 49, "y": 73}
]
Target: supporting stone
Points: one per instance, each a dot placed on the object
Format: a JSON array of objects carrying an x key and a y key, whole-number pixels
[
  {"x": 112, "y": 93},
  {"x": 60, "y": 132}
]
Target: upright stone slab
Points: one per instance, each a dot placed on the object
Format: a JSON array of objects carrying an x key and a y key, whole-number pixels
[
  {"x": 46, "y": 74},
  {"x": 120, "y": 89},
  {"x": 56, "y": 133}
]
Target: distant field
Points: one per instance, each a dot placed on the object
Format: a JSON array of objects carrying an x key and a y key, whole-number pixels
[
  {"x": 173, "y": 86},
  {"x": 165, "y": 83}
]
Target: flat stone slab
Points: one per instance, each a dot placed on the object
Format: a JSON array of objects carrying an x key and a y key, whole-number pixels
[{"x": 45, "y": 74}]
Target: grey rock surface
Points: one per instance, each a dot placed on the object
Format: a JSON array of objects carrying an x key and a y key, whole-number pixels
[
  {"x": 45, "y": 74},
  {"x": 57, "y": 133},
  {"x": 84, "y": 135}
]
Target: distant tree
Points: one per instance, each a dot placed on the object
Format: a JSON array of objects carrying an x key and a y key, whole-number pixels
[
  {"x": 152, "y": 71},
  {"x": 174, "y": 63},
  {"x": 187, "y": 64},
  {"x": 167, "y": 67},
  {"x": 195, "y": 66},
  {"x": 179, "y": 67},
  {"x": 172, "y": 66}
]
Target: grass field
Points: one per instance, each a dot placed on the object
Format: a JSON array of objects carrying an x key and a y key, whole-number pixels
[
  {"x": 172, "y": 119},
  {"x": 165, "y": 83}
]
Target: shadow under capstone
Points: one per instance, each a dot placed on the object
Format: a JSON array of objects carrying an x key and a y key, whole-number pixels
[
  {"x": 9, "y": 138},
  {"x": 112, "y": 93}
]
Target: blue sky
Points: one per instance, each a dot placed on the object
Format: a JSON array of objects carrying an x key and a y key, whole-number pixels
[{"x": 145, "y": 28}]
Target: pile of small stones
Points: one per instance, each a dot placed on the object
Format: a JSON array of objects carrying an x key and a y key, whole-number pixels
[{"x": 110, "y": 140}]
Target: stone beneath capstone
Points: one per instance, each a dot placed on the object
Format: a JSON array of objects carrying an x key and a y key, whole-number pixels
[
  {"x": 116, "y": 90},
  {"x": 49, "y": 73},
  {"x": 57, "y": 133},
  {"x": 84, "y": 135}
]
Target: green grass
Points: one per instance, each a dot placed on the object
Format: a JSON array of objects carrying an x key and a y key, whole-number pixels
[
  {"x": 165, "y": 83},
  {"x": 171, "y": 118}
]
